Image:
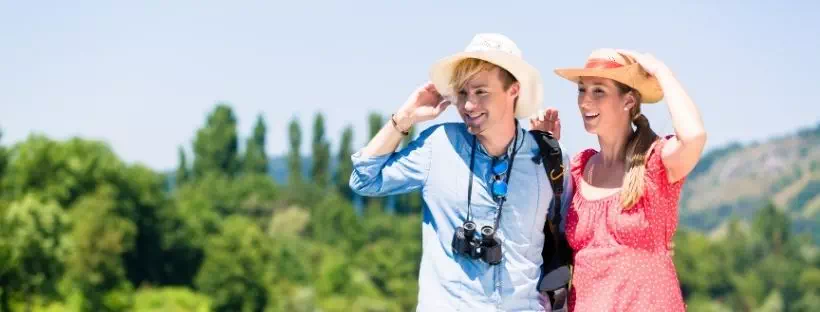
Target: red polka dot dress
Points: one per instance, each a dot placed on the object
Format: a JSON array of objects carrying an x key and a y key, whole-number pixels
[{"x": 621, "y": 258}]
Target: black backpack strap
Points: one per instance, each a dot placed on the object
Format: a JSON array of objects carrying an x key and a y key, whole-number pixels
[
  {"x": 556, "y": 253},
  {"x": 552, "y": 159}
]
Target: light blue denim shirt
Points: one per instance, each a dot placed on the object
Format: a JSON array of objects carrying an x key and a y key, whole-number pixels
[{"x": 438, "y": 164}]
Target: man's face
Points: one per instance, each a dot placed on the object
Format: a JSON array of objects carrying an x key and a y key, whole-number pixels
[{"x": 483, "y": 103}]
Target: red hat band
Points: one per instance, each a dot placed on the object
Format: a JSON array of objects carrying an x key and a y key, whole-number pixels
[{"x": 602, "y": 63}]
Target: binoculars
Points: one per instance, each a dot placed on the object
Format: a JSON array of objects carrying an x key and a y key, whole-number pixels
[{"x": 487, "y": 247}]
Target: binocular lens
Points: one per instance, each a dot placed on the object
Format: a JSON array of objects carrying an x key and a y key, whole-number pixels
[
  {"x": 487, "y": 231},
  {"x": 469, "y": 226}
]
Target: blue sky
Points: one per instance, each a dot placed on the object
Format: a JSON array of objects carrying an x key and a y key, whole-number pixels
[{"x": 142, "y": 75}]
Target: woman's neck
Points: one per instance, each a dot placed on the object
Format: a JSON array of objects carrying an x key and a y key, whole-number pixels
[{"x": 613, "y": 146}]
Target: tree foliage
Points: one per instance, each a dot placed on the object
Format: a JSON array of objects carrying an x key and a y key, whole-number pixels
[
  {"x": 345, "y": 167},
  {"x": 320, "y": 167},
  {"x": 256, "y": 158},
  {"x": 216, "y": 145},
  {"x": 295, "y": 154},
  {"x": 81, "y": 230}
]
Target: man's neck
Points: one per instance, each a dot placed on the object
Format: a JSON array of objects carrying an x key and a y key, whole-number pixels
[{"x": 496, "y": 141}]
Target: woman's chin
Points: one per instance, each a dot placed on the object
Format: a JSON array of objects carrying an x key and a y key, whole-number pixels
[{"x": 591, "y": 129}]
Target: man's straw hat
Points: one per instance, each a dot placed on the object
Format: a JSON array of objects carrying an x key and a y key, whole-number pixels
[{"x": 501, "y": 51}]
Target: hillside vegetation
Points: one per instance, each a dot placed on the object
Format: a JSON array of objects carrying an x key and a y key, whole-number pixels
[
  {"x": 81, "y": 230},
  {"x": 737, "y": 180}
]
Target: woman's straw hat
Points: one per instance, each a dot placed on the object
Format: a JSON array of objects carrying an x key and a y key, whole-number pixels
[{"x": 608, "y": 63}]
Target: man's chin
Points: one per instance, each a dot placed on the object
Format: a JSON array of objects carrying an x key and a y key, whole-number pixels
[{"x": 475, "y": 129}]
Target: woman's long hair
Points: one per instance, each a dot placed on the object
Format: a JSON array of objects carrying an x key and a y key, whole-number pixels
[{"x": 637, "y": 149}]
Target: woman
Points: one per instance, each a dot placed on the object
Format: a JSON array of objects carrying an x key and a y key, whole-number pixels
[{"x": 623, "y": 213}]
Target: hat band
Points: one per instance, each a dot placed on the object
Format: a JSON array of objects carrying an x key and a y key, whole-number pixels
[{"x": 602, "y": 63}]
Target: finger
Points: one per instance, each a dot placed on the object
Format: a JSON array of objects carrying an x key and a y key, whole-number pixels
[
  {"x": 442, "y": 106},
  {"x": 556, "y": 131},
  {"x": 431, "y": 87},
  {"x": 552, "y": 113},
  {"x": 627, "y": 52},
  {"x": 632, "y": 54}
]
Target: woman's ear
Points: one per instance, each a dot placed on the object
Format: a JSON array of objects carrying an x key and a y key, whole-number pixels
[{"x": 630, "y": 101}]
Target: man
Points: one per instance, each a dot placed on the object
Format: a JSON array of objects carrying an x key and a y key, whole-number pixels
[{"x": 477, "y": 176}]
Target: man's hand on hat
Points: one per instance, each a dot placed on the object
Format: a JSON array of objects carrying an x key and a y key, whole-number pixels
[
  {"x": 649, "y": 63},
  {"x": 547, "y": 120},
  {"x": 425, "y": 103}
]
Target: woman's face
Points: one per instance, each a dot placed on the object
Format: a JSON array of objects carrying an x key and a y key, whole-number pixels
[{"x": 604, "y": 108}]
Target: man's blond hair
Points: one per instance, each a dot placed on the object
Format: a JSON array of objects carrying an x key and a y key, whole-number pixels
[{"x": 467, "y": 68}]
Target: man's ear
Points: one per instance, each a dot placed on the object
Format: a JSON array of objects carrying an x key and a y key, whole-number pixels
[{"x": 515, "y": 88}]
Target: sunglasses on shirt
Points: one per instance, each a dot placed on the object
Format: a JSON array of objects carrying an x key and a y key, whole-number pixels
[{"x": 499, "y": 170}]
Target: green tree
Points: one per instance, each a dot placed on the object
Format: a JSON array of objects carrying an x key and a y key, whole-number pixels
[
  {"x": 290, "y": 270},
  {"x": 334, "y": 222},
  {"x": 320, "y": 153},
  {"x": 256, "y": 159},
  {"x": 295, "y": 155},
  {"x": 809, "y": 284},
  {"x": 374, "y": 205},
  {"x": 183, "y": 173},
  {"x": 61, "y": 171},
  {"x": 771, "y": 227},
  {"x": 395, "y": 239},
  {"x": 171, "y": 298},
  {"x": 216, "y": 143},
  {"x": 197, "y": 213},
  {"x": 345, "y": 167},
  {"x": 141, "y": 193},
  {"x": 697, "y": 263},
  {"x": 236, "y": 270},
  {"x": 33, "y": 236},
  {"x": 110, "y": 208},
  {"x": 3, "y": 159},
  {"x": 101, "y": 236}
]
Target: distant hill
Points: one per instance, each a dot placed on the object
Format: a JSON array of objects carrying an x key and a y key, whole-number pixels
[
  {"x": 278, "y": 167},
  {"x": 730, "y": 181},
  {"x": 737, "y": 179}
]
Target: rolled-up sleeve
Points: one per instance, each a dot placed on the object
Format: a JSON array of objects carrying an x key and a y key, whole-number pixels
[{"x": 399, "y": 172}]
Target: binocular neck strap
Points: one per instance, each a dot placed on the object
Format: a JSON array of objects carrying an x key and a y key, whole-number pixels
[
  {"x": 470, "y": 185},
  {"x": 507, "y": 179}
]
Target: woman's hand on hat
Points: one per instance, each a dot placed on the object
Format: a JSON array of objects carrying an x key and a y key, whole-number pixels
[
  {"x": 424, "y": 104},
  {"x": 649, "y": 63},
  {"x": 547, "y": 120}
]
